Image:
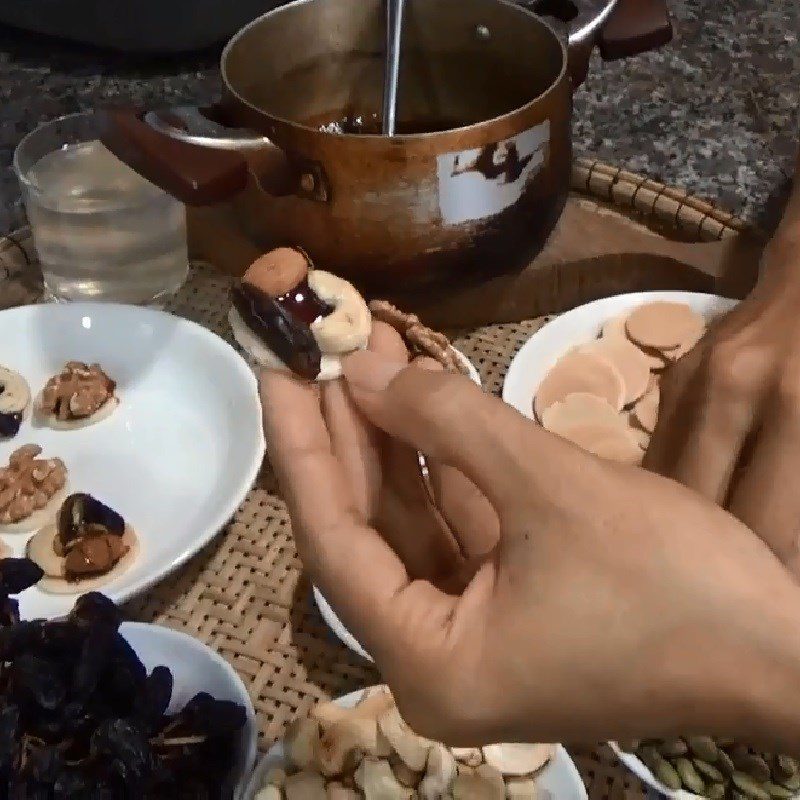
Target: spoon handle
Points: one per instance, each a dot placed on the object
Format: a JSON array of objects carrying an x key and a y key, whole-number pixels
[{"x": 394, "y": 27}]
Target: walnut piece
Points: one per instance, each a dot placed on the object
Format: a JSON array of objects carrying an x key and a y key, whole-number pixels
[
  {"x": 420, "y": 339},
  {"x": 77, "y": 392},
  {"x": 28, "y": 483}
]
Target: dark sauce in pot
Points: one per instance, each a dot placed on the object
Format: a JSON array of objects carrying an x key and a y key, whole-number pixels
[{"x": 352, "y": 122}]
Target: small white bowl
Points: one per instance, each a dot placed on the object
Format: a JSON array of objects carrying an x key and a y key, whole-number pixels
[
  {"x": 560, "y": 777},
  {"x": 580, "y": 326},
  {"x": 197, "y": 668},
  {"x": 325, "y": 610}
]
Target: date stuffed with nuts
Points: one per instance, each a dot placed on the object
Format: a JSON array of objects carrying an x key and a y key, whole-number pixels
[
  {"x": 287, "y": 313},
  {"x": 31, "y": 490},
  {"x": 78, "y": 396},
  {"x": 80, "y": 718},
  {"x": 89, "y": 545}
]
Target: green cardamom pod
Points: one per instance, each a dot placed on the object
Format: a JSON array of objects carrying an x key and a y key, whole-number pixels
[
  {"x": 792, "y": 782},
  {"x": 666, "y": 773},
  {"x": 725, "y": 763},
  {"x": 649, "y": 756},
  {"x": 715, "y": 791},
  {"x": 672, "y": 748},
  {"x": 703, "y": 747},
  {"x": 688, "y": 774},
  {"x": 748, "y": 786},
  {"x": 785, "y": 766},
  {"x": 779, "y": 792},
  {"x": 724, "y": 741},
  {"x": 708, "y": 770},
  {"x": 755, "y": 766}
]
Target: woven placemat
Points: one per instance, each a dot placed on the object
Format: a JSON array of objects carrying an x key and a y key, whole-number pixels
[{"x": 245, "y": 594}]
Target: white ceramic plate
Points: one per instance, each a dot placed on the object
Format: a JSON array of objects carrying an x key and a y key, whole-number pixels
[
  {"x": 580, "y": 326},
  {"x": 175, "y": 458},
  {"x": 560, "y": 777},
  {"x": 196, "y": 668},
  {"x": 324, "y": 607}
]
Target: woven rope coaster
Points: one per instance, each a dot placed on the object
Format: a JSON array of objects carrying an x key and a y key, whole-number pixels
[{"x": 245, "y": 594}]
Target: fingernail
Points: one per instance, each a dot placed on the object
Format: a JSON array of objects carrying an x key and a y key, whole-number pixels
[{"x": 369, "y": 372}]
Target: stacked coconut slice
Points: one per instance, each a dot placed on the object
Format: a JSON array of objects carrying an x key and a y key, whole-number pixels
[
  {"x": 369, "y": 752},
  {"x": 604, "y": 395}
]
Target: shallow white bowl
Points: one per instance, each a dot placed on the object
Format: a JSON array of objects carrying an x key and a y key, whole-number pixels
[
  {"x": 175, "y": 458},
  {"x": 196, "y": 668},
  {"x": 560, "y": 777},
  {"x": 325, "y": 610},
  {"x": 580, "y": 326}
]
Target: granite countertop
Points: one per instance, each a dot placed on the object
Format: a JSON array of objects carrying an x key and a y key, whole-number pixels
[{"x": 715, "y": 112}]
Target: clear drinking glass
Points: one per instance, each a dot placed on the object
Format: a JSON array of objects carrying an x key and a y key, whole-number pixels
[{"x": 102, "y": 231}]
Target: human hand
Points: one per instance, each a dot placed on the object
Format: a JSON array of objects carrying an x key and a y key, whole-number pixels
[
  {"x": 729, "y": 417},
  {"x": 615, "y": 604}
]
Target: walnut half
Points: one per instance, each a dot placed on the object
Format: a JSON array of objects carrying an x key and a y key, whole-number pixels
[{"x": 77, "y": 392}]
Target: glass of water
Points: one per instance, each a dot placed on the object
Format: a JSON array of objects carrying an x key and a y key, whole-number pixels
[{"x": 102, "y": 232}]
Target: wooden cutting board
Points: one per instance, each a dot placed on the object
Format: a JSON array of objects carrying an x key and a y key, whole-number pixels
[{"x": 619, "y": 233}]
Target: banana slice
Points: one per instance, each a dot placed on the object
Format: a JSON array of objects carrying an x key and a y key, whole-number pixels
[{"x": 15, "y": 401}]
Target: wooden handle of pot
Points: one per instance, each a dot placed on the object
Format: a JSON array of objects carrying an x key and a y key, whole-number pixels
[
  {"x": 631, "y": 27},
  {"x": 190, "y": 173},
  {"x": 634, "y": 27}
]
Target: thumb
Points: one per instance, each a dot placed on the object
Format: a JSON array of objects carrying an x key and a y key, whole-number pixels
[{"x": 448, "y": 418}]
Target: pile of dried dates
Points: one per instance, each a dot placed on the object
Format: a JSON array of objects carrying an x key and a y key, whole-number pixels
[
  {"x": 718, "y": 768},
  {"x": 80, "y": 717}
]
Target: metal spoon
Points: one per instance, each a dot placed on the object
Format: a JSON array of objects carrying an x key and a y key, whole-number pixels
[{"x": 394, "y": 28}]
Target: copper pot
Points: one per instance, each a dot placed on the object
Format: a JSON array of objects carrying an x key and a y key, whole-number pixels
[{"x": 475, "y": 194}]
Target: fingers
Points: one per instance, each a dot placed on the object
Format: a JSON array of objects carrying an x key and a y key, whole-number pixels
[
  {"x": 450, "y": 419},
  {"x": 353, "y": 566},
  {"x": 469, "y": 515},
  {"x": 703, "y": 423},
  {"x": 765, "y": 495}
]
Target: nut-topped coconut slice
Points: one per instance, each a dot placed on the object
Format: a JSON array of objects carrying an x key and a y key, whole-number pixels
[
  {"x": 78, "y": 396},
  {"x": 31, "y": 490},
  {"x": 88, "y": 546},
  {"x": 15, "y": 402}
]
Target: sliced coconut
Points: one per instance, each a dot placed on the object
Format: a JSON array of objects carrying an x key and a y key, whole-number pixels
[
  {"x": 52, "y": 421},
  {"x": 631, "y": 363},
  {"x": 646, "y": 410},
  {"x": 412, "y": 749},
  {"x": 40, "y": 549},
  {"x": 477, "y": 787},
  {"x": 579, "y": 408},
  {"x": 471, "y": 756},
  {"x": 578, "y": 372},
  {"x": 664, "y": 325},
  {"x": 440, "y": 772},
  {"x": 518, "y": 760}
]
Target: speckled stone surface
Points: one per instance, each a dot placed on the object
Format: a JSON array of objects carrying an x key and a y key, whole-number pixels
[{"x": 715, "y": 112}]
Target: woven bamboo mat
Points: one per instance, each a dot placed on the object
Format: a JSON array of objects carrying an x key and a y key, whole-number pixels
[{"x": 246, "y": 595}]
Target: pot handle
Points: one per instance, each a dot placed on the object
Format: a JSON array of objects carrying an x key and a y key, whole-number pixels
[
  {"x": 620, "y": 28},
  {"x": 193, "y": 173}
]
